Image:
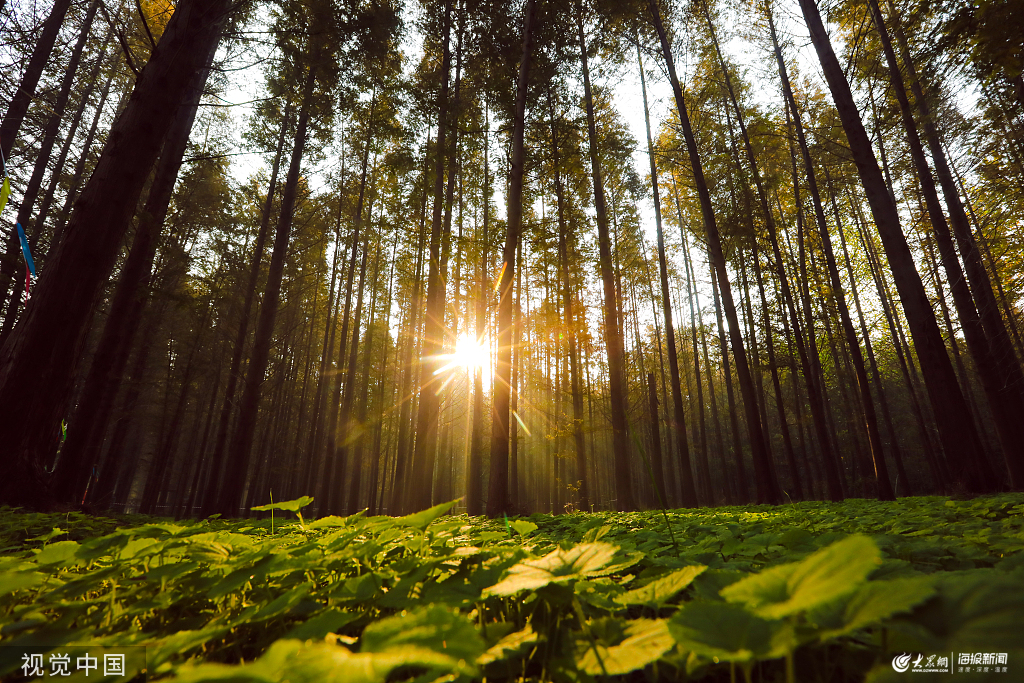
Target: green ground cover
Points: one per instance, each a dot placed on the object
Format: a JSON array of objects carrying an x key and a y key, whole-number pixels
[{"x": 803, "y": 592}]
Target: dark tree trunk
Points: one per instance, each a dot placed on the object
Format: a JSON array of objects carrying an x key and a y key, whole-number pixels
[
  {"x": 337, "y": 485},
  {"x": 767, "y": 487},
  {"x": 689, "y": 493},
  {"x": 232, "y": 486},
  {"x": 242, "y": 332},
  {"x": 398, "y": 498},
  {"x": 44, "y": 348},
  {"x": 475, "y": 466},
  {"x": 83, "y": 158},
  {"x": 569, "y": 320},
  {"x": 612, "y": 330},
  {"x": 35, "y": 182},
  {"x": 971, "y": 470},
  {"x": 421, "y": 482},
  {"x": 986, "y": 336},
  {"x": 89, "y": 421},
  {"x": 883, "y": 485},
  {"x": 26, "y": 90},
  {"x": 498, "y": 483}
]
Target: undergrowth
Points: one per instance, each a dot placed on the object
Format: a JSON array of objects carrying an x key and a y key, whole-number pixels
[{"x": 804, "y": 592}]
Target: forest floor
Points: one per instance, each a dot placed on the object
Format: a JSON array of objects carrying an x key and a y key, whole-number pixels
[{"x": 813, "y": 591}]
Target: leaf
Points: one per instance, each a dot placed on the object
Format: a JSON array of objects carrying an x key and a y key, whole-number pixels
[
  {"x": 319, "y": 626},
  {"x": 61, "y": 553},
  {"x": 822, "y": 577},
  {"x": 558, "y": 566},
  {"x": 5, "y": 192},
  {"x": 11, "y": 582},
  {"x": 644, "y": 642},
  {"x": 422, "y": 519},
  {"x": 873, "y": 602},
  {"x": 523, "y": 527},
  {"x": 509, "y": 646},
  {"x": 434, "y": 627},
  {"x": 662, "y": 588},
  {"x": 729, "y": 632},
  {"x": 287, "y": 505}
]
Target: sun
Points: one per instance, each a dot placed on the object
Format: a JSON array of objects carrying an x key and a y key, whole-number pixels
[{"x": 470, "y": 354}]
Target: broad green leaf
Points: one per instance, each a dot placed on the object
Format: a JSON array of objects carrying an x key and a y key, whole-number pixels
[
  {"x": 329, "y": 621},
  {"x": 645, "y": 640},
  {"x": 509, "y": 646},
  {"x": 421, "y": 520},
  {"x": 11, "y": 581},
  {"x": 873, "y": 602},
  {"x": 435, "y": 628},
  {"x": 522, "y": 527},
  {"x": 729, "y": 633},
  {"x": 558, "y": 566},
  {"x": 287, "y": 505},
  {"x": 61, "y": 553},
  {"x": 662, "y": 588},
  {"x": 824, "y": 576}
]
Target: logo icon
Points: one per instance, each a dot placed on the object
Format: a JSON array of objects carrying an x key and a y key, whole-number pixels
[{"x": 901, "y": 662}]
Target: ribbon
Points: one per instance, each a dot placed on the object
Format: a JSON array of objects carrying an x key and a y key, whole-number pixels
[
  {"x": 5, "y": 192},
  {"x": 30, "y": 266}
]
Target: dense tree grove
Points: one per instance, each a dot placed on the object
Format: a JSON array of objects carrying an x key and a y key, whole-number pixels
[{"x": 433, "y": 255}]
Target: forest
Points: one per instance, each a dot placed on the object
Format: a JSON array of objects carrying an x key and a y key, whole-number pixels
[
  {"x": 388, "y": 255},
  {"x": 547, "y": 341}
]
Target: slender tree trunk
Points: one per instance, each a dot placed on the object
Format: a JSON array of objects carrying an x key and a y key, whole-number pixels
[
  {"x": 689, "y": 493},
  {"x": 959, "y": 436},
  {"x": 26, "y": 90},
  {"x": 569, "y": 319},
  {"x": 45, "y": 346},
  {"x": 83, "y": 157},
  {"x": 424, "y": 451},
  {"x": 229, "y": 498},
  {"x": 498, "y": 499},
  {"x": 612, "y": 331},
  {"x": 881, "y": 472},
  {"x": 767, "y": 487},
  {"x": 345, "y": 425},
  {"x": 234, "y": 373},
  {"x": 475, "y": 471},
  {"x": 35, "y": 182},
  {"x": 398, "y": 499},
  {"x": 1002, "y": 382},
  {"x": 130, "y": 298}
]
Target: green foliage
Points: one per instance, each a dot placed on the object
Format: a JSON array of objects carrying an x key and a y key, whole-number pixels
[{"x": 581, "y": 597}]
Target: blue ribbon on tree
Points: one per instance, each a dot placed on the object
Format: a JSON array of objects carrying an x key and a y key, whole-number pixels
[{"x": 24, "y": 249}]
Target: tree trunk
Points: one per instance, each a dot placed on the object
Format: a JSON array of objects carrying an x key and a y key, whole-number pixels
[
  {"x": 229, "y": 498},
  {"x": 49, "y": 139},
  {"x": 26, "y": 90},
  {"x": 612, "y": 331},
  {"x": 498, "y": 482},
  {"x": 689, "y": 493},
  {"x": 44, "y": 348},
  {"x": 130, "y": 297},
  {"x": 399, "y": 501},
  {"x": 767, "y": 487},
  {"x": 990, "y": 346}
]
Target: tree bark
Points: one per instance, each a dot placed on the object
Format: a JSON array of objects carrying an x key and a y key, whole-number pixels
[
  {"x": 498, "y": 484},
  {"x": 612, "y": 330},
  {"x": 689, "y": 493},
  {"x": 232, "y": 487},
  {"x": 767, "y": 487},
  {"x": 45, "y": 346},
  {"x": 959, "y": 436}
]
